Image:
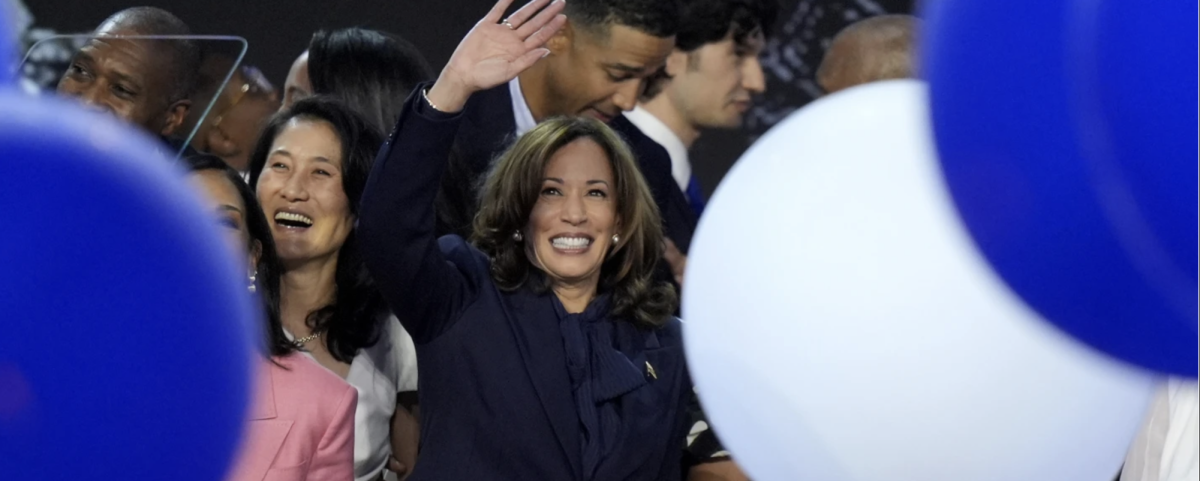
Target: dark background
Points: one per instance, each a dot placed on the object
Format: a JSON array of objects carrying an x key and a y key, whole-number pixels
[{"x": 278, "y": 30}]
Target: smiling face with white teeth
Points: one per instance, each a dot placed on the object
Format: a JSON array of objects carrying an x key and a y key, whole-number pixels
[
  {"x": 571, "y": 226},
  {"x": 301, "y": 192}
]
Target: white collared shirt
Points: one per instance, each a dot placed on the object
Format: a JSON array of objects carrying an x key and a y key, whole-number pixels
[
  {"x": 521, "y": 112},
  {"x": 681, "y": 167}
]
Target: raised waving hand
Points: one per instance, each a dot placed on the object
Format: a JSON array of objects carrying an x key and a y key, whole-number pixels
[{"x": 496, "y": 50}]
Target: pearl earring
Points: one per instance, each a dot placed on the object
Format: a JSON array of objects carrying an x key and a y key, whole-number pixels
[
  {"x": 253, "y": 279},
  {"x": 616, "y": 239},
  {"x": 517, "y": 236}
]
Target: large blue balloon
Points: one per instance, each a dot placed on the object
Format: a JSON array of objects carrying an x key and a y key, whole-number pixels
[
  {"x": 1136, "y": 88},
  {"x": 127, "y": 333},
  {"x": 1066, "y": 131}
]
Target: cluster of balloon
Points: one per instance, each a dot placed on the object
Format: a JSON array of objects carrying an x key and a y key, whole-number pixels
[
  {"x": 127, "y": 334},
  {"x": 965, "y": 278}
]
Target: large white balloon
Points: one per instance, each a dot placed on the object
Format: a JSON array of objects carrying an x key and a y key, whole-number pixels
[{"x": 841, "y": 325}]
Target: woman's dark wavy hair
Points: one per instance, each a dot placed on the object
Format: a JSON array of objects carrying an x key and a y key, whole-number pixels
[
  {"x": 352, "y": 321},
  {"x": 372, "y": 72},
  {"x": 268, "y": 268},
  {"x": 512, "y": 188}
]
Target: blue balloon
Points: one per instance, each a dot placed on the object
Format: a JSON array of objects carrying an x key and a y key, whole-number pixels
[
  {"x": 1065, "y": 131},
  {"x": 127, "y": 335},
  {"x": 1137, "y": 92}
]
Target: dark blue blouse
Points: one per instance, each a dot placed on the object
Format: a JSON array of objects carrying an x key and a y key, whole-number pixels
[{"x": 600, "y": 375}]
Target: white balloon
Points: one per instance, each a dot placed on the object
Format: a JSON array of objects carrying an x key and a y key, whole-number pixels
[{"x": 841, "y": 325}]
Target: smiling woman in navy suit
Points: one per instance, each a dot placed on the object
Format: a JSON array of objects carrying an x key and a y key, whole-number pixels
[{"x": 547, "y": 349}]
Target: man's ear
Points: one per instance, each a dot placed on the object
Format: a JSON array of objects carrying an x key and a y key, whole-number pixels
[
  {"x": 175, "y": 115},
  {"x": 562, "y": 39},
  {"x": 677, "y": 63}
]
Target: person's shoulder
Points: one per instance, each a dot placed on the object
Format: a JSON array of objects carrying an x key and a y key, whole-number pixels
[
  {"x": 456, "y": 249},
  {"x": 312, "y": 397},
  {"x": 298, "y": 375},
  {"x": 472, "y": 262},
  {"x": 671, "y": 333},
  {"x": 667, "y": 334},
  {"x": 638, "y": 140},
  {"x": 652, "y": 158}
]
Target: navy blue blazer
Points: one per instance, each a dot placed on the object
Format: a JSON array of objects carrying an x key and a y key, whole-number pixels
[
  {"x": 488, "y": 127},
  {"x": 496, "y": 395}
]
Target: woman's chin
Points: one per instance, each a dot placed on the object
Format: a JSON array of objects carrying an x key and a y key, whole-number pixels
[
  {"x": 573, "y": 275},
  {"x": 296, "y": 255}
]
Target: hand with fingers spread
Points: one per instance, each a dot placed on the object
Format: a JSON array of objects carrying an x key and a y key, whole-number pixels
[{"x": 496, "y": 50}]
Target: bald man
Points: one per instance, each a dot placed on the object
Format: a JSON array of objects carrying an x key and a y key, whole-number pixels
[
  {"x": 144, "y": 82},
  {"x": 878, "y": 48}
]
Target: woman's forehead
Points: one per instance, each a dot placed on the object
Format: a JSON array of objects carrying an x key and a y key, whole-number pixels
[
  {"x": 582, "y": 158},
  {"x": 303, "y": 138},
  {"x": 217, "y": 188}
]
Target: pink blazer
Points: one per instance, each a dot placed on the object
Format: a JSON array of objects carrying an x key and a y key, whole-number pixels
[{"x": 301, "y": 425}]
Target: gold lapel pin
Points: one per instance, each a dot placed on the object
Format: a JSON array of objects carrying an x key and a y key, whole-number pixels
[{"x": 650, "y": 370}]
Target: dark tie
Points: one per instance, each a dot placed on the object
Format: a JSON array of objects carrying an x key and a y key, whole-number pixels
[{"x": 695, "y": 196}]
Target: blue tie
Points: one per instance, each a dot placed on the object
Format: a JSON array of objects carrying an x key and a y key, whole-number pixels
[{"x": 695, "y": 196}]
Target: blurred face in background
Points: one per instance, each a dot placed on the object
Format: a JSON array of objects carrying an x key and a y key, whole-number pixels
[
  {"x": 128, "y": 78},
  {"x": 237, "y": 118},
  {"x": 297, "y": 86},
  {"x": 713, "y": 86},
  {"x": 227, "y": 210}
]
